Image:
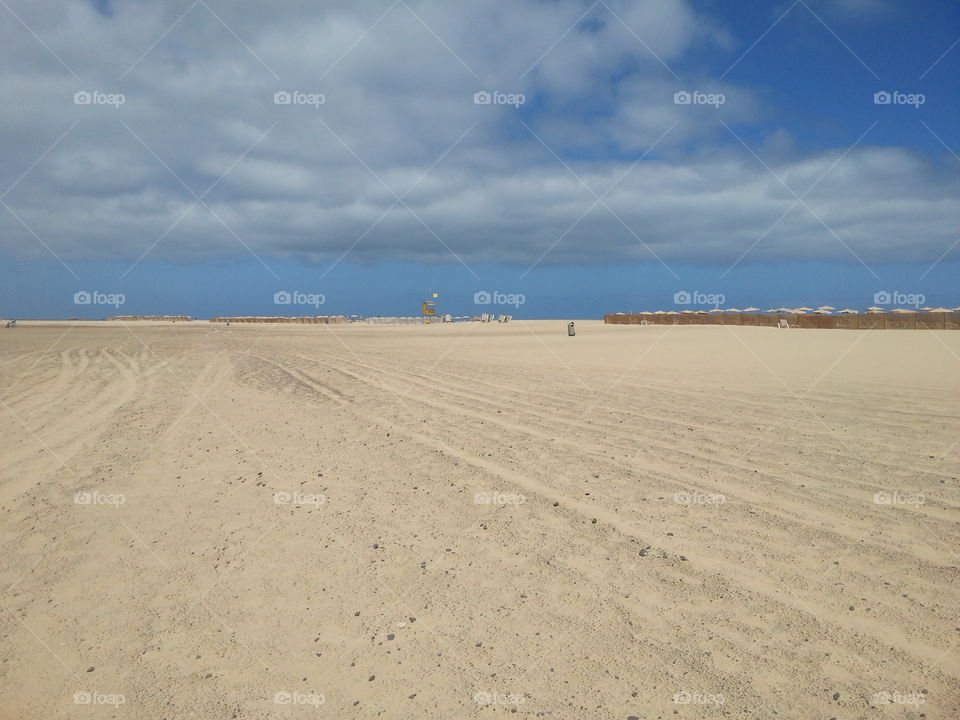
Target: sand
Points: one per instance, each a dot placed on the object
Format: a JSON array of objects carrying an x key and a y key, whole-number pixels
[{"x": 463, "y": 521}]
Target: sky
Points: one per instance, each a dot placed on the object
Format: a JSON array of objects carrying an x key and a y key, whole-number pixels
[{"x": 540, "y": 158}]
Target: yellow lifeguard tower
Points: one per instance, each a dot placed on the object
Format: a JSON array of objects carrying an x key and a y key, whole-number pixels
[{"x": 428, "y": 308}]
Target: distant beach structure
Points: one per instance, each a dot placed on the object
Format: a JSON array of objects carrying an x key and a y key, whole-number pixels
[{"x": 823, "y": 318}]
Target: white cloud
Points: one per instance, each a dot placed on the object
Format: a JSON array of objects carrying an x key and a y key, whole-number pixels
[{"x": 399, "y": 99}]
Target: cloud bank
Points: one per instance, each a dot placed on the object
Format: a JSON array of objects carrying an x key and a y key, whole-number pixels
[{"x": 386, "y": 152}]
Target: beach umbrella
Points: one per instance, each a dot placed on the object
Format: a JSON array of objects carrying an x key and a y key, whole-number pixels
[
  {"x": 902, "y": 310},
  {"x": 822, "y": 311},
  {"x": 731, "y": 310},
  {"x": 926, "y": 309},
  {"x": 701, "y": 312},
  {"x": 846, "y": 311},
  {"x": 826, "y": 307},
  {"x": 751, "y": 309},
  {"x": 716, "y": 310},
  {"x": 956, "y": 309},
  {"x": 804, "y": 309},
  {"x": 940, "y": 310},
  {"x": 874, "y": 308},
  {"x": 689, "y": 312}
]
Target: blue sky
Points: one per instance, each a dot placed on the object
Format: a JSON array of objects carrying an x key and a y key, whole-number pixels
[{"x": 146, "y": 154}]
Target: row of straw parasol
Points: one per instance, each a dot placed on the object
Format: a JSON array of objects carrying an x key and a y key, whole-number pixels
[{"x": 822, "y": 310}]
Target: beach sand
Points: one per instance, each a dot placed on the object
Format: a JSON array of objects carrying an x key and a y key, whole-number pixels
[{"x": 468, "y": 520}]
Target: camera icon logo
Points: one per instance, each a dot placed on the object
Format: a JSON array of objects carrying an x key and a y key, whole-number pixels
[
  {"x": 482, "y": 298},
  {"x": 682, "y": 697},
  {"x": 281, "y": 98},
  {"x": 82, "y": 98},
  {"x": 282, "y": 297},
  {"x": 82, "y": 698},
  {"x": 682, "y": 98},
  {"x": 882, "y": 98},
  {"x": 482, "y": 98},
  {"x": 682, "y": 298},
  {"x": 82, "y": 298},
  {"x": 882, "y": 298},
  {"x": 882, "y": 498}
]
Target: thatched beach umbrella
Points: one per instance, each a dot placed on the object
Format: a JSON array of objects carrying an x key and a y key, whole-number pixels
[
  {"x": 751, "y": 309},
  {"x": 826, "y": 307},
  {"x": 716, "y": 310},
  {"x": 846, "y": 311},
  {"x": 874, "y": 308},
  {"x": 822, "y": 311},
  {"x": 689, "y": 312},
  {"x": 902, "y": 310},
  {"x": 939, "y": 310},
  {"x": 732, "y": 310},
  {"x": 804, "y": 309}
]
